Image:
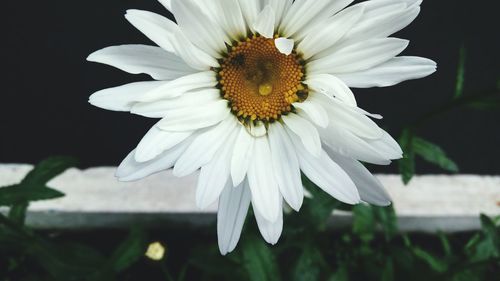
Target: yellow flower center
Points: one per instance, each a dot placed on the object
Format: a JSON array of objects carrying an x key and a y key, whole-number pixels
[{"x": 261, "y": 83}]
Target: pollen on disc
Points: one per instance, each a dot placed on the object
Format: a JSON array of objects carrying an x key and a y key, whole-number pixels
[{"x": 260, "y": 82}]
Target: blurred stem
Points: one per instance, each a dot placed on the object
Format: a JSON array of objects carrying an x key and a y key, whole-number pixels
[
  {"x": 459, "y": 88},
  {"x": 463, "y": 267},
  {"x": 452, "y": 105},
  {"x": 166, "y": 272}
]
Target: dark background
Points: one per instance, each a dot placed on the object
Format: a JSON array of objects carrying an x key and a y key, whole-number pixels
[{"x": 46, "y": 82}]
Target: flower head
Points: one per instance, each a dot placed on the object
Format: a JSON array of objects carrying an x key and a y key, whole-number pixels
[{"x": 255, "y": 92}]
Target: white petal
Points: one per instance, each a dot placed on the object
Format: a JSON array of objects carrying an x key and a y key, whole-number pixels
[
  {"x": 203, "y": 148},
  {"x": 381, "y": 20},
  {"x": 387, "y": 146},
  {"x": 131, "y": 170},
  {"x": 166, "y": 3},
  {"x": 265, "y": 22},
  {"x": 280, "y": 7},
  {"x": 157, "y": 28},
  {"x": 348, "y": 144},
  {"x": 370, "y": 188},
  {"x": 286, "y": 166},
  {"x": 348, "y": 117},
  {"x": 242, "y": 154},
  {"x": 233, "y": 208},
  {"x": 162, "y": 108},
  {"x": 271, "y": 231},
  {"x": 330, "y": 10},
  {"x": 181, "y": 85},
  {"x": 284, "y": 45},
  {"x": 192, "y": 55},
  {"x": 313, "y": 110},
  {"x": 326, "y": 174},
  {"x": 394, "y": 71},
  {"x": 234, "y": 22},
  {"x": 301, "y": 13},
  {"x": 156, "y": 142},
  {"x": 330, "y": 32},
  {"x": 193, "y": 118},
  {"x": 137, "y": 59},
  {"x": 124, "y": 97},
  {"x": 265, "y": 191},
  {"x": 306, "y": 131},
  {"x": 250, "y": 10},
  {"x": 199, "y": 28},
  {"x": 257, "y": 130},
  {"x": 216, "y": 174},
  {"x": 360, "y": 56},
  {"x": 331, "y": 86}
]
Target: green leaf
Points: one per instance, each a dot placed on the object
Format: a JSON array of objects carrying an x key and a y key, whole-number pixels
[
  {"x": 387, "y": 218},
  {"x": 363, "y": 222},
  {"x": 258, "y": 260},
  {"x": 17, "y": 212},
  {"x": 433, "y": 154},
  {"x": 342, "y": 274},
  {"x": 48, "y": 169},
  {"x": 129, "y": 251},
  {"x": 492, "y": 233},
  {"x": 309, "y": 264},
  {"x": 39, "y": 176},
  {"x": 445, "y": 242},
  {"x": 208, "y": 260},
  {"x": 459, "y": 88},
  {"x": 407, "y": 163},
  {"x": 467, "y": 275},
  {"x": 434, "y": 262},
  {"x": 16, "y": 194},
  {"x": 388, "y": 271}
]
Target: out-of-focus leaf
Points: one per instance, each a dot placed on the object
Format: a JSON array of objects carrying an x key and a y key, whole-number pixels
[
  {"x": 403, "y": 258},
  {"x": 17, "y": 213},
  {"x": 433, "y": 154},
  {"x": 387, "y": 218},
  {"x": 309, "y": 264},
  {"x": 407, "y": 163},
  {"x": 48, "y": 169},
  {"x": 209, "y": 260},
  {"x": 445, "y": 242},
  {"x": 342, "y": 274},
  {"x": 492, "y": 233},
  {"x": 434, "y": 262},
  {"x": 66, "y": 262},
  {"x": 16, "y": 194},
  {"x": 388, "y": 272},
  {"x": 129, "y": 251},
  {"x": 259, "y": 260},
  {"x": 459, "y": 88},
  {"x": 467, "y": 275},
  {"x": 364, "y": 222},
  {"x": 484, "y": 245},
  {"x": 39, "y": 176}
]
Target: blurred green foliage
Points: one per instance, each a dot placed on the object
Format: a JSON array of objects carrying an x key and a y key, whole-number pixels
[{"x": 373, "y": 249}]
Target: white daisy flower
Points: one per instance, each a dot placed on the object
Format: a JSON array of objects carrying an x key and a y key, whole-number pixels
[{"x": 254, "y": 92}]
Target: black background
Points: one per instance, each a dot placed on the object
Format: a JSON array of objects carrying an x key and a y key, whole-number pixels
[{"x": 46, "y": 81}]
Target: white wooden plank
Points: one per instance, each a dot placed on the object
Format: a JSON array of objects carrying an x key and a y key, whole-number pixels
[{"x": 94, "y": 198}]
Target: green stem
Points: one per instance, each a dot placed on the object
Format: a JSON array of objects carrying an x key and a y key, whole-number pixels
[
  {"x": 445, "y": 108},
  {"x": 166, "y": 272}
]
